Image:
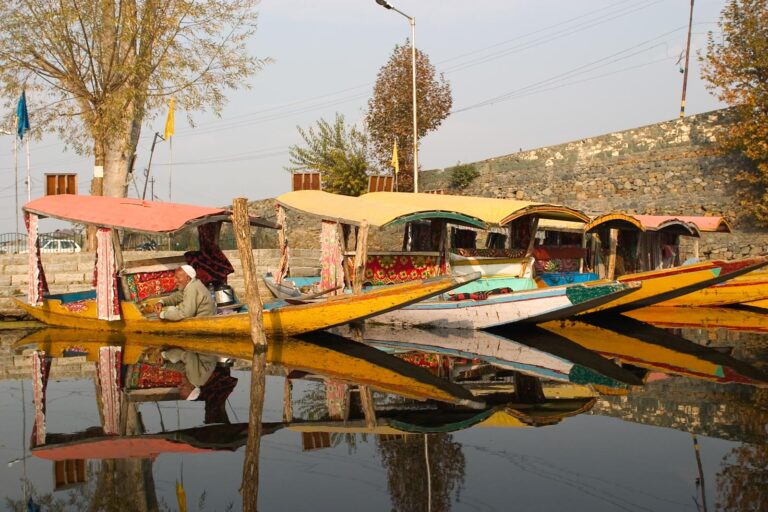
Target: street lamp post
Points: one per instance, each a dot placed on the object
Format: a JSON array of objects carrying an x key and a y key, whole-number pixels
[{"x": 412, "y": 22}]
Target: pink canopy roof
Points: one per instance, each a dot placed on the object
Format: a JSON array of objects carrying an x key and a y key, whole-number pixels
[
  {"x": 704, "y": 223},
  {"x": 132, "y": 214}
]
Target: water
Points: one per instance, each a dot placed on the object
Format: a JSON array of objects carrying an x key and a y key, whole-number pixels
[{"x": 590, "y": 443}]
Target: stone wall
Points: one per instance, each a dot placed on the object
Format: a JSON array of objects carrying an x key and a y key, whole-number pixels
[{"x": 672, "y": 167}]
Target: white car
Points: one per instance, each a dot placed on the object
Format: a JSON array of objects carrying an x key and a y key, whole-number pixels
[{"x": 55, "y": 245}]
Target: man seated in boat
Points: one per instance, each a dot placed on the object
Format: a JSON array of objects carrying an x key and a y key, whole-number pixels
[{"x": 190, "y": 299}]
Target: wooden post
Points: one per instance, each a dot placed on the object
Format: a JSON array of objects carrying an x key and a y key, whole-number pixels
[
  {"x": 614, "y": 238},
  {"x": 532, "y": 241},
  {"x": 696, "y": 248},
  {"x": 242, "y": 229},
  {"x": 361, "y": 256}
]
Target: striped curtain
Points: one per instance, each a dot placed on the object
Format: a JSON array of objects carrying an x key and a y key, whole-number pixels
[
  {"x": 107, "y": 300},
  {"x": 36, "y": 283},
  {"x": 331, "y": 273}
]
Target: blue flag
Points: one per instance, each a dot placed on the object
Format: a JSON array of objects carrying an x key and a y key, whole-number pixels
[{"x": 22, "y": 117}]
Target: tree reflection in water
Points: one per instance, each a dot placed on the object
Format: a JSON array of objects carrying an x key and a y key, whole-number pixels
[
  {"x": 742, "y": 483},
  {"x": 404, "y": 460}
]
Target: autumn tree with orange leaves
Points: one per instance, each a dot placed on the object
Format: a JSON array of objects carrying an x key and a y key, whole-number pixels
[
  {"x": 735, "y": 67},
  {"x": 390, "y": 110}
]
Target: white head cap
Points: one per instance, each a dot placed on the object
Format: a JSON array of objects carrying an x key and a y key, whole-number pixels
[{"x": 189, "y": 270}]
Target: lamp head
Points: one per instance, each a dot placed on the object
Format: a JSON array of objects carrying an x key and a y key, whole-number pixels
[{"x": 384, "y": 4}]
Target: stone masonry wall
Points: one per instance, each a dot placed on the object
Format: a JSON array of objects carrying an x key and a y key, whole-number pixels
[{"x": 669, "y": 168}]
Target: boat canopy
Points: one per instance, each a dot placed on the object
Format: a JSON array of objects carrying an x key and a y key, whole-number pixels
[
  {"x": 354, "y": 210},
  {"x": 492, "y": 211},
  {"x": 132, "y": 214},
  {"x": 657, "y": 223}
]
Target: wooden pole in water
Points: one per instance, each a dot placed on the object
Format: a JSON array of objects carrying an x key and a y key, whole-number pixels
[{"x": 242, "y": 228}]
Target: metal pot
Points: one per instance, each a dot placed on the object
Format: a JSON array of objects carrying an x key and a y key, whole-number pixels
[{"x": 224, "y": 295}]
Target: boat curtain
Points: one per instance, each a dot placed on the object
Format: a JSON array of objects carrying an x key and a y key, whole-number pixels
[
  {"x": 41, "y": 368},
  {"x": 110, "y": 390},
  {"x": 282, "y": 243},
  {"x": 37, "y": 286},
  {"x": 210, "y": 263},
  {"x": 331, "y": 272},
  {"x": 105, "y": 276}
]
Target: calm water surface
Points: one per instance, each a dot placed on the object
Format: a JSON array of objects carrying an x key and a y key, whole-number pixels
[{"x": 465, "y": 431}]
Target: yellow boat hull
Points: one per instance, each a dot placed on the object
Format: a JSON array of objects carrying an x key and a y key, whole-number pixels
[
  {"x": 667, "y": 284},
  {"x": 746, "y": 289},
  {"x": 283, "y": 321}
]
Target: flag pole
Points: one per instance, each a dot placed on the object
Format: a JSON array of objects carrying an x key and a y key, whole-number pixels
[
  {"x": 170, "y": 172},
  {"x": 29, "y": 181},
  {"x": 16, "y": 182}
]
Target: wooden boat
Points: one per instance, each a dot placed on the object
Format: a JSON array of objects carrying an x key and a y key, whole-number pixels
[
  {"x": 662, "y": 285},
  {"x": 750, "y": 290},
  {"x": 657, "y": 242},
  {"x": 657, "y": 285},
  {"x": 321, "y": 354},
  {"x": 530, "y": 306},
  {"x": 732, "y": 319},
  {"x": 499, "y": 351},
  {"x": 117, "y": 302},
  {"x": 522, "y": 302},
  {"x": 633, "y": 342}
]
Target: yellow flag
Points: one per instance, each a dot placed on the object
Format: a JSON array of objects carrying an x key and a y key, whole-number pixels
[
  {"x": 395, "y": 161},
  {"x": 181, "y": 496},
  {"x": 169, "y": 120}
]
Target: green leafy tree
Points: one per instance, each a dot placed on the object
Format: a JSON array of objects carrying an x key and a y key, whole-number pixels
[
  {"x": 338, "y": 152},
  {"x": 735, "y": 67},
  {"x": 390, "y": 110},
  {"x": 95, "y": 71}
]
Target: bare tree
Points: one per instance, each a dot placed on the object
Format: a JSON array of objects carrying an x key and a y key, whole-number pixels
[{"x": 99, "y": 69}]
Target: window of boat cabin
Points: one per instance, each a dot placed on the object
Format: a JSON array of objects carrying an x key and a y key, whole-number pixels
[
  {"x": 496, "y": 240},
  {"x": 462, "y": 238}
]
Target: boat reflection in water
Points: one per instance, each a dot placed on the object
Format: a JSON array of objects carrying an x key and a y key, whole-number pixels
[{"x": 408, "y": 392}]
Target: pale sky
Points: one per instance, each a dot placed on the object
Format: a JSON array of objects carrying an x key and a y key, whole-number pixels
[{"x": 524, "y": 74}]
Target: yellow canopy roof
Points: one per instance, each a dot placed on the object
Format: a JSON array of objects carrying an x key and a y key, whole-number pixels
[
  {"x": 353, "y": 210},
  {"x": 491, "y": 210}
]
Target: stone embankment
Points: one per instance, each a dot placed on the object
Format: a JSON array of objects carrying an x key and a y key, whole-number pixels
[
  {"x": 669, "y": 168},
  {"x": 74, "y": 272}
]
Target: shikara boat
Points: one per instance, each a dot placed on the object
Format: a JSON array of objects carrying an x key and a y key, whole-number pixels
[
  {"x": 638, "y": 344},
  {"x": 123, "y": 289},
  {"x": 498, "y": 351},
  {"x": 657, "y": 285},
  {"x": 429, "y": 249},
  {"x": 646, "y": 242},
  {"x": 320, "y": 354}
]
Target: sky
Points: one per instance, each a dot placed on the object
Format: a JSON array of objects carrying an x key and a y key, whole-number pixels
[{"x": 524, "y": 74}]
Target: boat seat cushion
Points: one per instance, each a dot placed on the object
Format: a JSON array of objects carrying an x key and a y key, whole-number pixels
[{"x": 142, "y": 285}]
